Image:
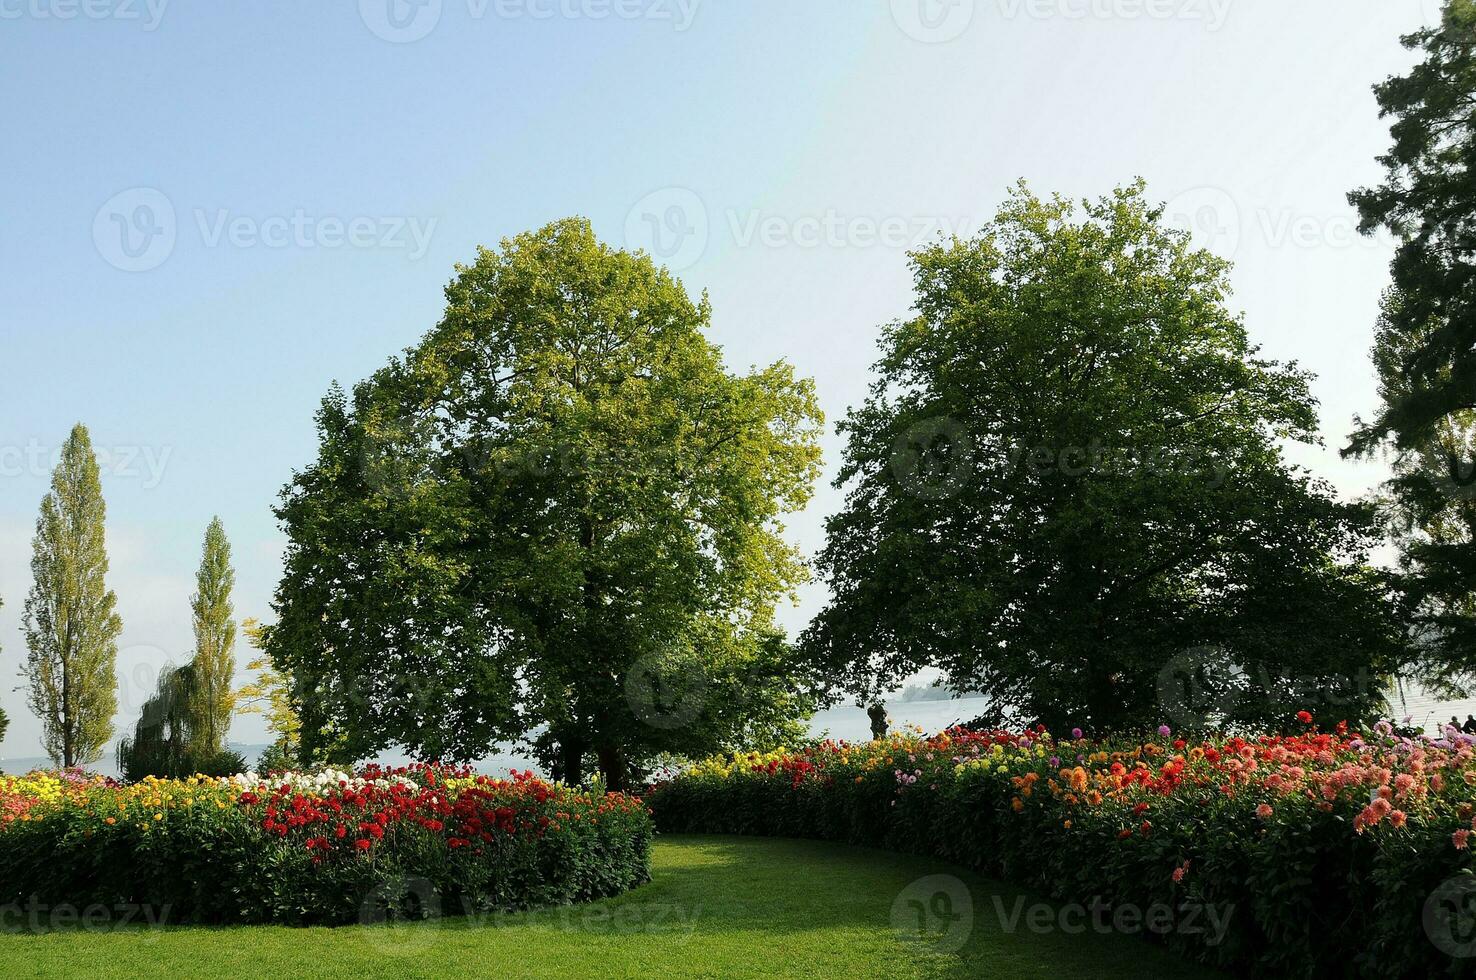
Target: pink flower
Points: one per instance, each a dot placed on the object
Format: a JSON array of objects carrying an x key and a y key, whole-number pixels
[
  {"x": 1397, "y": 818},
  {"x": 1264, "y": 811},
  {"x": 1459, "y": 839}
]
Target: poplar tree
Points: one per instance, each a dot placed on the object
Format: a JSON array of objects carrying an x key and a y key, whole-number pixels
[
  {"x": 215, "y": 642},
  {"x": 71, "y": 622},
  {"x": 4, "y": 721}
]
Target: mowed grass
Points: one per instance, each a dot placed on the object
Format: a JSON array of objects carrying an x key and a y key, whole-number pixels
[{"x": 717, "y": 907}]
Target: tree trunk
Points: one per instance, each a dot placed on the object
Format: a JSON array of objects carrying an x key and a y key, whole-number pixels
[
  {"x": 568, "y": 766},
  {"x": 612, "y": 767}
]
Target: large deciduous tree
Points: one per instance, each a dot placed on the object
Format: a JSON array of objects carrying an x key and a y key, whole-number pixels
[
  {"x": 556, "y": 518},
  {"x": 71, "y": 623},
  {"x": 1065, "y": 491},
  {"x": 1425, "y": 346},
  {"x": 214, "y": 663}
]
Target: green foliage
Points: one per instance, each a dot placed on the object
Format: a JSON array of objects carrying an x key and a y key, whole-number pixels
[
  {"x": 559, "y": 509},
  {"x": 4, "y": 720},
  {"x": 723, "y": 907},
  {"x": 165, "y": 742},
  {"x": 270, "y": 694},
  {"x": 70, "y": 621},
  {"x": 1067, "y": 479},
  {"x": 215, "y": 642},
  {"x": 181, "y": 730},
  {"x": 276, "y": 758},
  {"x": 1425, "y": 345},
  {"x": 213, "y": 861},
  {"x": 1428, "y": 202},
  {"x": 1299, "y": 894}
]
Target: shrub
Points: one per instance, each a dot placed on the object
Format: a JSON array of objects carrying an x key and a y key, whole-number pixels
[
  {"x": 276, "y": 757},
  {"x": 221, "y": 764},
  {"x": 330, "y": 848},
  {"x": 1319, "y": 853}
]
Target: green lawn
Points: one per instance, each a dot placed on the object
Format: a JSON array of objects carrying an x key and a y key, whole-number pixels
[{"x": 717, "y": 907}]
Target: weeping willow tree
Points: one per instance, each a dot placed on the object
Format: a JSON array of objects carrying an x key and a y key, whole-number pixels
[{"x": 161, "y": 743}]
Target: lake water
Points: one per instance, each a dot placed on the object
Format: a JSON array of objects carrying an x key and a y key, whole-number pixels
[{"x": 846, "y": 722}]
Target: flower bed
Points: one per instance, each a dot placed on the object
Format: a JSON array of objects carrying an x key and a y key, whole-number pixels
[
  {"x": 328, "y": 848},
  {"x": 1313, "y": 854}
]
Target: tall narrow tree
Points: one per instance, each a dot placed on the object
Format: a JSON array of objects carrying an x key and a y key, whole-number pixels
[
  {"x": 1425, "y": 344},
  {"x": 4, "y": 721},
  {"x": 215, "y": 642},
  {"x": 71, "y": 621}
]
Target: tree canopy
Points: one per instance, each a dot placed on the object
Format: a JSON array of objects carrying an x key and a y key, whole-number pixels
[
  {"x": 557, "y": 519},
  {"x": 71, "y": 621},
  {"x": 1425, "y": 344},
  {"x": 214, "y": 663},
  {"x": 1428, "y": 201},
  {"x": 1066, "y": 491}
]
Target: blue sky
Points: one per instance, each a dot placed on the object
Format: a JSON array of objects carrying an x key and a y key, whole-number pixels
[{"x": 211, "y": 211}]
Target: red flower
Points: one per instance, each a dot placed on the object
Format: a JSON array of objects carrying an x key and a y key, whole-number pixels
[
  {"x": 1305, "y": 717},
  {"x": 363, "y": 844}
]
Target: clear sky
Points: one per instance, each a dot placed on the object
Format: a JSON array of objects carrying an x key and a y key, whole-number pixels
[{"x": 213, "y": 210}]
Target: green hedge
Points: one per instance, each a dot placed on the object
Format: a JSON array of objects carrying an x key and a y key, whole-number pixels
[
  {"x": 194, "y": 852},
  {"x": 1301, "y": 892}
]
